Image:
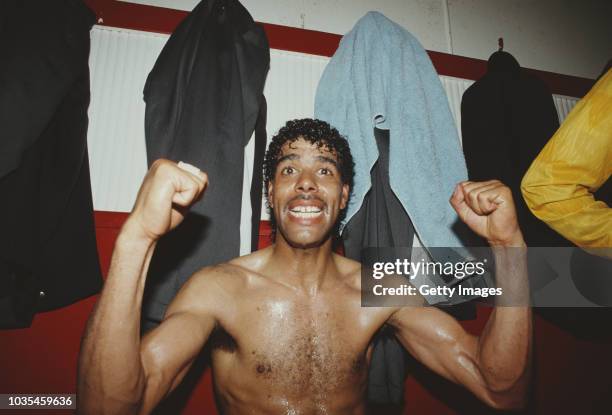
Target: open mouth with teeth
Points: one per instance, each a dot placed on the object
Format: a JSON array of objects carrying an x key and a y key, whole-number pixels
[{"x": 305, "y": 212}]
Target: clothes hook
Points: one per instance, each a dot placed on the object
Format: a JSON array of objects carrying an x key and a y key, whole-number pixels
[{"x": 500, "y": 43}]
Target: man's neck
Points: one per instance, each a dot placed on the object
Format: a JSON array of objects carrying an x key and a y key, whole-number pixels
[{"x": 303, "y": 268}]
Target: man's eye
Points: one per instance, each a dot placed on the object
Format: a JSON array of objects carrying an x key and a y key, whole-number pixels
[
  {"x": 288, "y": 170},
  {"x": 325, "y": 171}
]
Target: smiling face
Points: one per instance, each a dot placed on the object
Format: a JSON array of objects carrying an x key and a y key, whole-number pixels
[{"x": 307, "y": 193}]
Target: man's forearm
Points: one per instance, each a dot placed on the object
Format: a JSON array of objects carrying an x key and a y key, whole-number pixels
[
  {"x": 505, "y": 345},
  {"x": 111, "y": 377}
]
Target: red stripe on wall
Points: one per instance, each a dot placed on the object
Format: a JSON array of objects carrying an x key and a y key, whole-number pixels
[
  {"x": 471, "y": 68},
  {"x": 114, "y": 221},
  {"x": 301, "y": 40},
  {"x": 136, "y": 16},
  {"x": 162, "y": 20}
]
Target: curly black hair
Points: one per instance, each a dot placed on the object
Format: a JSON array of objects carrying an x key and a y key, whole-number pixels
[{"x": 316, "y": 132}]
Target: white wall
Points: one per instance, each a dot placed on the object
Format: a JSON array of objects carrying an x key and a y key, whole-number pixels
[{"x": 566, "y": 36}]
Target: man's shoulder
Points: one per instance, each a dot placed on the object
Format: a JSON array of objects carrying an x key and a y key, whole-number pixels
[
  {"x": 224, "y": 276},
  {"x": 230, "y": 275},
  {"x": 350, "y": 271},
  {"x": 347, "y": 263},
  {"x": 211, "y": 289}
]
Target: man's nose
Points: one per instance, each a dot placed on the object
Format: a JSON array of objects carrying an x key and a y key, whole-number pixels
[{"x": 306, "y": 183}]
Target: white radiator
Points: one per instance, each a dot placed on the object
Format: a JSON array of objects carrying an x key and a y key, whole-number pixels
[
  {"x": 564, "y": 105},
  {"x": 120, "y": 62}
]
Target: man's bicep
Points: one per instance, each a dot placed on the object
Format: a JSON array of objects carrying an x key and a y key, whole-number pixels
[
  {"x": 439, "y": 342},
  {"x": 168, "y": 351}
]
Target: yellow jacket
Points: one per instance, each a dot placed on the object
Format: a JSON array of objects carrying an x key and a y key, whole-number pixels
[{"x": 559, "y": 185}]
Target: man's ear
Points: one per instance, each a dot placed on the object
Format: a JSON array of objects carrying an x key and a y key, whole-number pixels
[
  {"x": 345, "y": 196},
  {"x": 270, "y": 191}
]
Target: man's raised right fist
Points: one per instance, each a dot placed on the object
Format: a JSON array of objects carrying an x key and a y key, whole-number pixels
[{"x": 164, "y": 197}]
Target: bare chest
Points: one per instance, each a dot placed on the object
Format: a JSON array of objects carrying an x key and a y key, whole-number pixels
[{"x": 301, "y": 348}]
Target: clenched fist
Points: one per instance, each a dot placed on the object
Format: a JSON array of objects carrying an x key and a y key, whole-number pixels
[
  {"x": 488, "y": 209},
  {"x": 164, "y": 196}
]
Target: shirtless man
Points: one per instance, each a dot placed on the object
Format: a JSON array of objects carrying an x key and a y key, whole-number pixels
[{"x": 300, "y": 341}]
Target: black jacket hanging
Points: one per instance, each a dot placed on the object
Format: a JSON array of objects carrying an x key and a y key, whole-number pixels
[
  {"x": 203, "y": 100},
  {"x": 507, "y": 116},
  {"x": 383, "y": 222},
  {"x": 48, "y": 255}
]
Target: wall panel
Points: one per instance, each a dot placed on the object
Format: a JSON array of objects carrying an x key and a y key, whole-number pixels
[{"x": 119, "y": 62}]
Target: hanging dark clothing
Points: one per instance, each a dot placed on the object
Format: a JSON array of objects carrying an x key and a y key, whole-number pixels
[
  {"x": 507, "y": 117},
  {"x": 381, "y": 221},
  {"x": 48, "y": 254},
  {"x": 203, "y": 99},
  {"x": 257, "y": 180}
]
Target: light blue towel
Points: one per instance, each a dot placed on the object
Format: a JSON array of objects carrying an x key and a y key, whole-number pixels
[{"x": 381, "y": 76}]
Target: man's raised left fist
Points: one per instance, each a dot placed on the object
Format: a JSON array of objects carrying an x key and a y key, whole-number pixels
[{"x": 488, "y": 210}]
